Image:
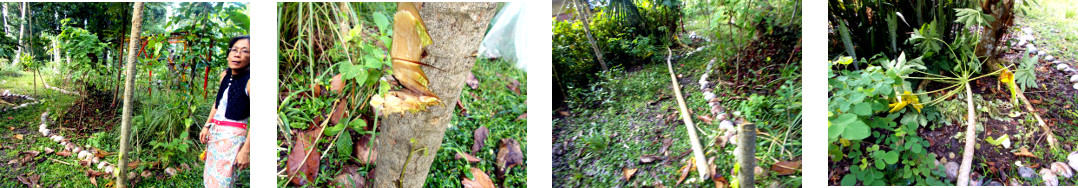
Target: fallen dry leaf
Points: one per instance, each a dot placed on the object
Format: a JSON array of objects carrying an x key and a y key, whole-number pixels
[
  {"x": 563, "y": 113},
  {"x": 1023, "y": 152},
  {"x": 704, "y": 118},
  {"x": 336, "y": 85},
  {"x": 479, "y": 138},
  {"x": 509, "y": 155},
  {"x": 514, "y": 86},
  {"x": 304, "y": 171},
  {"x": 481, "y": 180},
  {"x": 783, "y": 168},
  {"x": 628, "y": 173},
  {"x": 720, "y": 181},
  {"x": 18, "y": 136},
  {"x": 649, "y": 158},
  {"x": 472, "y": 81},
  {"x": 30, "y": 180},
  {"x": 522, "y": 116},
  {"x": 64, "y": 153},
  {"x": 349, "y": 177},
  {"x": 362, "y": 150},
  {"x": 684, "y": 171},
  {"x": 469, "y": 158},
  {"x": 338, "y": 113},
  {"x": 93, "y": 180}
]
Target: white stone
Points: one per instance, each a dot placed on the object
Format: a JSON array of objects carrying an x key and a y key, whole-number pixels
[
  {"x": 1076, "y": 87},
  {"x": 102, "y": 165},
  {"x": 1049, "y": 177},
  {"x": 708, "y": 95},
  {"x": 1062, "y": 169},
  {"x": 95, "y": 159},
  {"x": 1062, "y": 66},
  {"x": 1049, "y": 58},
  {"x": 951, "y": 169},
  {"x": 109, "y": 169},
  {"x": 1074, "y": 78},
  {"x": 1041, "y": 53},
  {"x": 83, "y": 155},
  {"x": 1072, "y": 159}
]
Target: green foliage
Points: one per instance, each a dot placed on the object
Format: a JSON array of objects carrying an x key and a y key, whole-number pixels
[
  {"x": 629, "y": 33},
  {"x": 1026, "y": 74},
  {"x": 882, "y": 144},
  {"x": 973, "y": 17}
]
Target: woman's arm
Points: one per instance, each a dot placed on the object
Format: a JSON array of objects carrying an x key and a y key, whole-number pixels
[{"x": 203, "y": 135}]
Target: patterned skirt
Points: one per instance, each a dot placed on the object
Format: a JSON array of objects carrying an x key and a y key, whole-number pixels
[{"x": 225, "y": 143}]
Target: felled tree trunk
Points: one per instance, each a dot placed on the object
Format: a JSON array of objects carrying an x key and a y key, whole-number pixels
[
  {"x": 129, "y": 85},
  {"x": 456, "y": 30}
]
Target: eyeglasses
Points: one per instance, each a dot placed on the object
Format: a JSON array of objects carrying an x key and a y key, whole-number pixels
[{"x": 244, "y": 50}]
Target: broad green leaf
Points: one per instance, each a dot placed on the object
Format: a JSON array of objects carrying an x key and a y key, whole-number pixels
[
  {"x": 891, "y": 157},
  {"x": 344, "y": 145},
  {"x": 856, "y": 130},
  {"x": 863, "y": 109},
  {"x": 381, "y": 21}
]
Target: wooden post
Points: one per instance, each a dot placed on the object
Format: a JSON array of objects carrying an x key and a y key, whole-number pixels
[
  {"x": 746, "y": 145},
  {"x": 125, "y": 130}
]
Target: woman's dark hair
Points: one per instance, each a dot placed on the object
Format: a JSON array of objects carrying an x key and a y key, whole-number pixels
[{"x": 238, "y": 38}]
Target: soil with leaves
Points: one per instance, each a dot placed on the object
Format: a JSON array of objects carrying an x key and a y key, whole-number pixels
[{"x": 29, "y": 159}]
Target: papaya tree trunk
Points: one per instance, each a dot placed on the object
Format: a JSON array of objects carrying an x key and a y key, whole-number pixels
[
  {"x": 971, "y": 139},
  {"x": 456, "y": 30},
  {"x": 129, "y": 85}
]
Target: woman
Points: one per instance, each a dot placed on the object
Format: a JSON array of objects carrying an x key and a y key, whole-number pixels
[{"x": 225, "y": 132}]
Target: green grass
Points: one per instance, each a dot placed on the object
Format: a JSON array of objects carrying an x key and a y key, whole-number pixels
[
  {"x": 497, "y": 108},
  {"x": 25, "y": 121},
  {"x": 627, "y": 123},
  {"x": 1054, "y": 23}
]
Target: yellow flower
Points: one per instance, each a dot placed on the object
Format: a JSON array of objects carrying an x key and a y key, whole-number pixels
[
  {"x": 1006, "y": 76},
  {"x": 906, "y": 98}
]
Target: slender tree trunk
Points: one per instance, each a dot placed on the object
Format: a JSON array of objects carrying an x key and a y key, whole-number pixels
[
  {"x": 22, "y": 26},
  {"x": 7, "y": 28},
  {"x": 125, "y": 130},
  {"x": 456, "y": 30},
  {"x": 581, "y": 10}
]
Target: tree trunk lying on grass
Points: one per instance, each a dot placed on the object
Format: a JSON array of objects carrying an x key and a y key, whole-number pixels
[
  {"x": 456, "y": 30},
  {"x": 971, "y": 139},
  {"x": 698, "y": 152}
]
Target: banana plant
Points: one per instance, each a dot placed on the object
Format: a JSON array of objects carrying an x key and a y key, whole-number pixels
[{"x": 410, "y": 36}]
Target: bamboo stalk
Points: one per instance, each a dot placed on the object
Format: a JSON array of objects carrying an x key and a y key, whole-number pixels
[
  {"x": 967, "y": 155},
  {"x": 698, "y": 152}
]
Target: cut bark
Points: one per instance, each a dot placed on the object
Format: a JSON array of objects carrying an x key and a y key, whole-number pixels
[
  {"x": 456, "y": 30},
  {"x": 971, "y": 139}
]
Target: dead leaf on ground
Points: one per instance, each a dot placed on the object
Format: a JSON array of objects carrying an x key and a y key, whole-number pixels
[
  {"x": 704, "y": 118},
  {"x": 522, "y": 116},
  {"x": 1023, "y": 152},
  {"x": 303, "y": 171},
  {"x": 93, "y": 180},
  {"x": 349, "y": 177},
  {"x": 336, "y": 85},
  {"x": 30, "y": 181},
  {"x": 563, "y": 113},
  {"x": 338, "y": 112},
  {"x": 720, "y": 181},
  {"x": 481, "y": 180},
  {"x": 628, "y": 173},
  {"x": 514, "y": 86},
  {"x": 469, "y": 158},
  {"x": 362, "y": 150},
  {"x": 509, "y": 155},
  {"x": 64, "y": 153},
  {"x": 684, "y": 171},
  {"x": 479, "y": 137},
  {"x": 783, "y": 168},
  {"x": 649, "y": 158},
  {"x": 94, "y": 173},
  {"x": 472, "y": 81},
  {"x": 666, "y": 146},
  {"x": 18, "y": 136}
]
